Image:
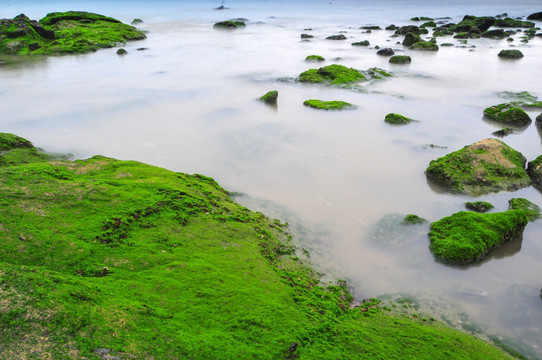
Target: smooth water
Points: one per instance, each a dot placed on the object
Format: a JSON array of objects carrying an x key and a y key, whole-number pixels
[{"x": 189, "y": 104}]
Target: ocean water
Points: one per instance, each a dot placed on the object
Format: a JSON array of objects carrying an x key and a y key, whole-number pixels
[{"x": 189, "y": 103}]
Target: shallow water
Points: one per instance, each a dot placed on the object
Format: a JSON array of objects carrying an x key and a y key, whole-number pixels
[{"x": 189, "y": 103}]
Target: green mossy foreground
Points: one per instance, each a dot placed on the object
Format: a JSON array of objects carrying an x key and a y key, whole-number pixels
[
  {"x": 328, "y": 105},
  {"x": 466, "y": 237},
  {"x": 486, "y": 166},
  {"x": 117, "y": 259},
  {"x": 63, "y": 33}
]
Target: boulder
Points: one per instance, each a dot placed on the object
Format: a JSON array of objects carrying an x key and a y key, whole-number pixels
[
  {"x": 512, "y": 23},
  {"x": 400, "y": 59},
  {"x": 386, "y": 52},
  {"x": 535, "y": 16},
  {"x": 334, "y": 74},
  {"x": 496, "y": 34},
  {"x": 270, "y": 98},
  {"x": 314, "y": 58},
  {"x": 510, "y": 54},
  {"x": 361, "y": 43},
  {"x": 328, "y": 105},
  {"x": 307, "y": 36},
  {"x": 531, "y": 210},
  {"x": 424, "y": 46},
  {"x": 411, "y": 29},
  {"x": 534, "y": 169},
  {"x": 486, "y": 166},
  {"x": 483, "y": 23},
  {"x": 508, "y": 114},
  {"x": 397, "y": 119},
  {"x": 466, "y": 237},
  {"x": 122, "y": 51},
  {"x": 229, "y": 25},
  {"x": 411, "y": 39},
  {"x": 336, "y": 37},
  {"x": 479, "y": 206}
]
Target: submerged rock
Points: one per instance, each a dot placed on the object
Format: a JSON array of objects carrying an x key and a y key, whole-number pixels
[
  {"x": 361, "y": 43},
  {"x": 425, "y": 46},
  {"x": 328, "y": 105},
  {"x": 396, "y": 230},
  {"x": 63, "y": 33},
  {"x": 334, "y": 74},
  {"x": 229, "y": 24},
  {"x": 386, "y": 52},
  {"x": 483, "y": 23},
  {"x": 136, "y": 21},
  {"x": 479, "y": 206},
  {"x": 534, "y": 169},
  {"x": 512, "y": 23},
  {"x": 466, "y": 237},
  {"x": 497, "y": 34},
  {"x": 535, "y": 16},
  {"x": 397, "y": 119},
  {"x": 270, "y": 98},
  {"x": 122, "y": 51},
  {"x": 314, "y": 58},
  {"x": 510, "y": 54},
  {"x": 411, "y": 29},
  {"x": 336, "y": 37},
  {"x": 486, "y": 166},
  {"x": 508, "y": 114},
  {"x": 400, "y": 59},
  {"x": 307, "y": 36},
  {"x": 503, "y": 132}
]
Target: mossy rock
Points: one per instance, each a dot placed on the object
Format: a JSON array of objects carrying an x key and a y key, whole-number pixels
[
  {"x": 333, "y": 74},
  {"x": 336, "y": 37},
  {"x": 411, "y": 29},
  {"x": 307, "y": 36},
  {"x": 64, "y": 33},
  {"x": 503, "y": 132},
  {"x": 122, "y": 51},
  {"x": 534, "y": 170},
  {"x": 523, "y": 96},
  {"x": 496, "y": 34},
  {"x": 466, "y": 237},
  {"x": 508, "y": 114},
  {"x": 397, "y": 119},
  {"x": 469, "y": 21},
  {"x": 15, "y": 150},
  {"x": 486, "y": 166},
  {"x": 512, "y": 23},
  {"x": 424, "y": 46},
  {"x": 535, "y": 16},
  {"x": 510, "y": 54},
  {"x": 412, "y": 219},
  {"x": 400, "y": 59},
  {"x": 397, "y": 230},
  {"x": 411, "y": 39},
  {"x": 229, "y": 25},
  {"x": 328, "y": 105},
  {"x": 428, "y": 24},
  {"x": 479, "y": 206},
  {"x": 531, "y": 210},
  {"x": 314, "y": 58},
  {"x": 370, "y": 27},
  {"x": 270, "y": 98},
  {"x": 361, "y": 43},
  {"x": 11, "y": 141}
]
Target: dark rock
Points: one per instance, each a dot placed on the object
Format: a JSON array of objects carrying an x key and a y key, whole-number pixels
[
  {"x": 510, "y": 54},
  {"x": 534, "y": 169},
  {"x": 400, "y": 59},
  {"x": 270, "y": 98},
  {"x": 535, "y": 16},
  {"x": 386, "y": 52},
  {"x": 392, "y": 27},
  {"x": 336, "y": 37},
  {"x": 229, "y": 24},
  {"x": 411, "y": 29},
  {"x": 483, "y": 23},
  {"x": 361, "y": 43},
  {"x": 511, "y": 23},
  {"x": 371, "y": 27},
  {"x": 137, "y": 21},
  {"x": 503, "y": 132},
  {"x": 411, "y": 39},
  {"x": 495, "y": 34},
  {"x": 306, "y": 36},
  {"x": 479, "y": 206},
  {"x": 122, "y": 52},
  {"x": 142, "y": 49}
]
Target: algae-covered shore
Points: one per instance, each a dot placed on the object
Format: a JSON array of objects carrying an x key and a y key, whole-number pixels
[{"x": 102, "y": 257}]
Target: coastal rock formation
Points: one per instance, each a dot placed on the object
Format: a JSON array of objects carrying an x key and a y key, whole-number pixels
[
  {"x": 486, "y": 166},
  {"x": 508, "y": 114},
  {"x": 64, "y": 33}
]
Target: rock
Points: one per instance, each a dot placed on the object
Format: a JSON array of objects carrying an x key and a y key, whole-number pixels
[
  {"x": 466, "y": 237},
  {"x": 122, "y": 52},
  {"x": 336, "y": 37},
  {"x": 503, "y": 132},
  {"x": 63, "y": 33},
  {"x": 386, "y": 52},
  {"x": 411, "y": 29},
  {"x": 270, "y": 98},
  {"x": 314, "y": 58},
  {"x": 538, "y": 121},
  {"x": 10, "y": 142},
  {"x": 531, "y": 210},
  {"x": 483, "y": 23},
  {"x": 361, "y": 43},
  {"x": 428, "y": 24},
  {"x": 479, "y": 206},
  {"x": 307, "y": 36},
  {"x": 334, "y": 74},
  {"x": 411, "y": 39},
  {"x": 392, "y": 27},
  {"x": 136, "y": 22},
  {"x": 534, "y": 169},
  {"x": 424, "y": 46},
  {"x": 397, "y": 119},
  {"x": 508, "y": 114},
  {"x": 328, "y": 105},
  {"x": 510, "y": 54},
  {"x": 486, "y": 166},
  {"x": 396, "y": 230},
  {"x": 400, "y": 59},
  {"x": 511, "y": 23},
  {"x": 371, "y": 27},
  {"x": 535, "y": 16},
  {"x": 497, "y": 34},
  {"x": 229, "y": 25}
]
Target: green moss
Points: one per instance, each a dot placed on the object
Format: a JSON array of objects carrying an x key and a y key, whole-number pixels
[
  {"x": 411, "y": 39},
  {"x": 479, "y": 206},
  {"x": 534, "y": 169},
  {"x": 532, "y": 211},
  {"x": 508, "y": 114},
  {"x": 333, "y": 74},
  {"x": 328, "y": 105},
  {"x": 428, "y": 24},
  {"x": 512, "y": 23},
  {"x": 510, "y": 54},
  {"x": 10, "y": 141},
  {"x": 229, "y": 24},
  {"x": 400, "y": 59},
  {"x": 106, "y": 258},
  {"x": 413, "y": 219},
  {"x": 425, "y": 46},
  {"x": 503, "y": 132},
  {"x": 483, "y": 167},
  {"x": 378, "y": 73},
  {"x": 466, "y": 237},
  {"x": 270, "y": 97},
  {"x": 469, "y": 21},
  {"x": 397, "y": 119},
  {"x": 361, "y": 43},
  {"x": 314, "y": 58}
]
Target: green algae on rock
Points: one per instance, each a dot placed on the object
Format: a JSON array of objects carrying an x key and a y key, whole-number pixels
[
  {"x": 328, "y": 105},
  {"x": 64, "y": 33},
  {"x": 425, "y": 46},
  {"x": 466, "y": 237},
  {"x": 503, "y": 132},
  {"x": 512, "y": 23},
  {"x": 333, "y": 74},
  {"x": 314, "y": 58},
  {"x": 508, "y": 114},
  {"x": 483, "y": 23},
  {"x": 479, "y": 206},
  {"x": 411, "y": 219},
  {"x": 531, "y": 210},
  {"x": 400, "y": 59},
  {"x": 229, "y": 25},
  {"x": 510, "y": 54},
  {"x": 122, "y": 259},
  {"x": 397, "y": 119},
  {"x": 270, "y": 98},
  {"x": 534, "y": 170},
  {"x": 486, "y": 166},
  {"x": 361, "y": 43},
  {"x": 397, "y": 230}
]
